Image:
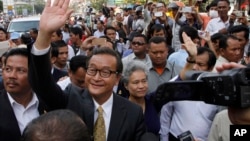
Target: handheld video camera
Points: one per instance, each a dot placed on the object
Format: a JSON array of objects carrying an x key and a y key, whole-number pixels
[{"x": 229, "y": 88}]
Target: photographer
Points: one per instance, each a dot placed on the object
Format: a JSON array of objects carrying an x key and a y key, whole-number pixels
[
  {"x": 241, "y": 116},
  {"x": 138, "y": 23},
  {"x": 192, "y": 17},
  {"x": 159, "y": 17},
  {"x": 178, "y": 116}
]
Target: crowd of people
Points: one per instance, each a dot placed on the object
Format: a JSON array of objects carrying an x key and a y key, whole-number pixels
[{"x": 95, "y": 78}]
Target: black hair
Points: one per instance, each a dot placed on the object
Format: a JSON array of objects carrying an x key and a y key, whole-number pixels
[
  {"x": 100, "y": 22},
  {"x": 119, "y": 24},
  {"x": 190, "y": 31},
  {"x": 2, "y": 29},
  {"x": 55, "y": 47},
  {"x": 26, "y": 38},
  {"x": 109, "y": 28},
  {"x": 217, "y": 36},
  {"x": 78, "y": 61},
  {"x": 211, "y": 56},
  {"x": 34, "y": 30},
  {"x": 227, "y": 1},
  {"x": 111, "y": 52},
  {"x": 212, "y": 4},
  {"x": 16, "y": 51},
  {"x": 223, "y": 42},
  {"x": 157, "y": 40},
  {"x": 59, "y": 33},
  {"x": 156, "y": 28},
  {"x": 142, "y": 36},
  {"x": 76, "y": 31},
  {"x": 240, "y": 28}
]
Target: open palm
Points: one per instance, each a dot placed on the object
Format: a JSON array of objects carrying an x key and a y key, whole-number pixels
[
  {"x": 55, "y": 15},
  {"x": 189, "y": 45}
]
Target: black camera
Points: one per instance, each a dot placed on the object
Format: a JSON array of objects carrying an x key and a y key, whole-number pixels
[{"x": 229, "y": 88}]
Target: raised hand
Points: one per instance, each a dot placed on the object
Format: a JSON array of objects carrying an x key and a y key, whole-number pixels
[
  {"x": 189, "y": 45},
  {"x": 54, "y": 15},
  {"x": 205, "y": 35},
  {"x": 228, "y": 66}
]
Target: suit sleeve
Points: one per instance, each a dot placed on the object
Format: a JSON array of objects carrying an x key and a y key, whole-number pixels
[{"x": 43, "y": 83}]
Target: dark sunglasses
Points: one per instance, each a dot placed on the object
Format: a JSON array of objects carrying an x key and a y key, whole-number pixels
[{"x": 138, "y": 43}]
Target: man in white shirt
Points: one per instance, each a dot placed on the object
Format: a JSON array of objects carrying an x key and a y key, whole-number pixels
[
  {"x": 220, "y": 24},
  {"x": 125, "y": 19},
  {"x": 77, "y": 71},
  {"x": 100, "y": 29},
  {"x": 230, "y": 51},
  {"x": 196, "y": 116},
  {"x": 139, "y": 47},
  {"x": 18, "y": 103}
]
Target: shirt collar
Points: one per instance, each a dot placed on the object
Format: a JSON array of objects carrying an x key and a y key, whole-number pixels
[
  {"x": 167, "y": 66},
  {"x": 34, "y": 101},
  {"x": 223, "y": 59},
  {"x": 133, "y": 55},
  {"x": 106, "y": 106},
  {"x": 219, "y": 20}
]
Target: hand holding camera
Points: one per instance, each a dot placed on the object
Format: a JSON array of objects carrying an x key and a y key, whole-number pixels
[{"x": 204, "y": 35}]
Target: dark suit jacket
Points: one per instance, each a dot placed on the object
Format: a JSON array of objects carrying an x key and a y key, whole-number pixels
[
  {"x": 9, "y": 129},
  {"x": 126, "y": 124},
  {"x": 57, "y": 74}
]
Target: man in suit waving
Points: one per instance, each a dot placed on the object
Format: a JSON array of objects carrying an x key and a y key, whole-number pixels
[{"x": 107, "y": 115}]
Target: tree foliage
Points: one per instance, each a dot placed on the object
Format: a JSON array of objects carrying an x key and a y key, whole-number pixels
[
  {"x": 39, "y": 6},
  {"x": 1, "y": 6}
]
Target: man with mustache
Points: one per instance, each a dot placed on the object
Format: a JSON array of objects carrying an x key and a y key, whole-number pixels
[{"x": 18, "y": 103}]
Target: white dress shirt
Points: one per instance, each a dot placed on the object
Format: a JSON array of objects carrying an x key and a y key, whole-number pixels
[
  {"x": 216, "y": 24},
  {"x": 25, "y": 114},
  {"x": 107, "y": 111},
  {"x": 71, "y": 52},
  {"x": 98, "y": 33},
  {"x": 220, "y": 60},
  {"x": 180, "y": 116},
  {"x": 64, "y": 83}
]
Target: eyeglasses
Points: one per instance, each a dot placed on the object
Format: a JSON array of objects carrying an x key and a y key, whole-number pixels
[
  {"x": 103, "y": 73},
  {"x": 138, "y": 43}
]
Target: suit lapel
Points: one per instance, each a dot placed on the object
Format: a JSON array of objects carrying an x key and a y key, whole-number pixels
[
  {"x": 118, "y": 116},
  {"x": 42, "y": 108},
  {"x": 7, "y": 116},
  {"x": 88, "y": 111}
]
